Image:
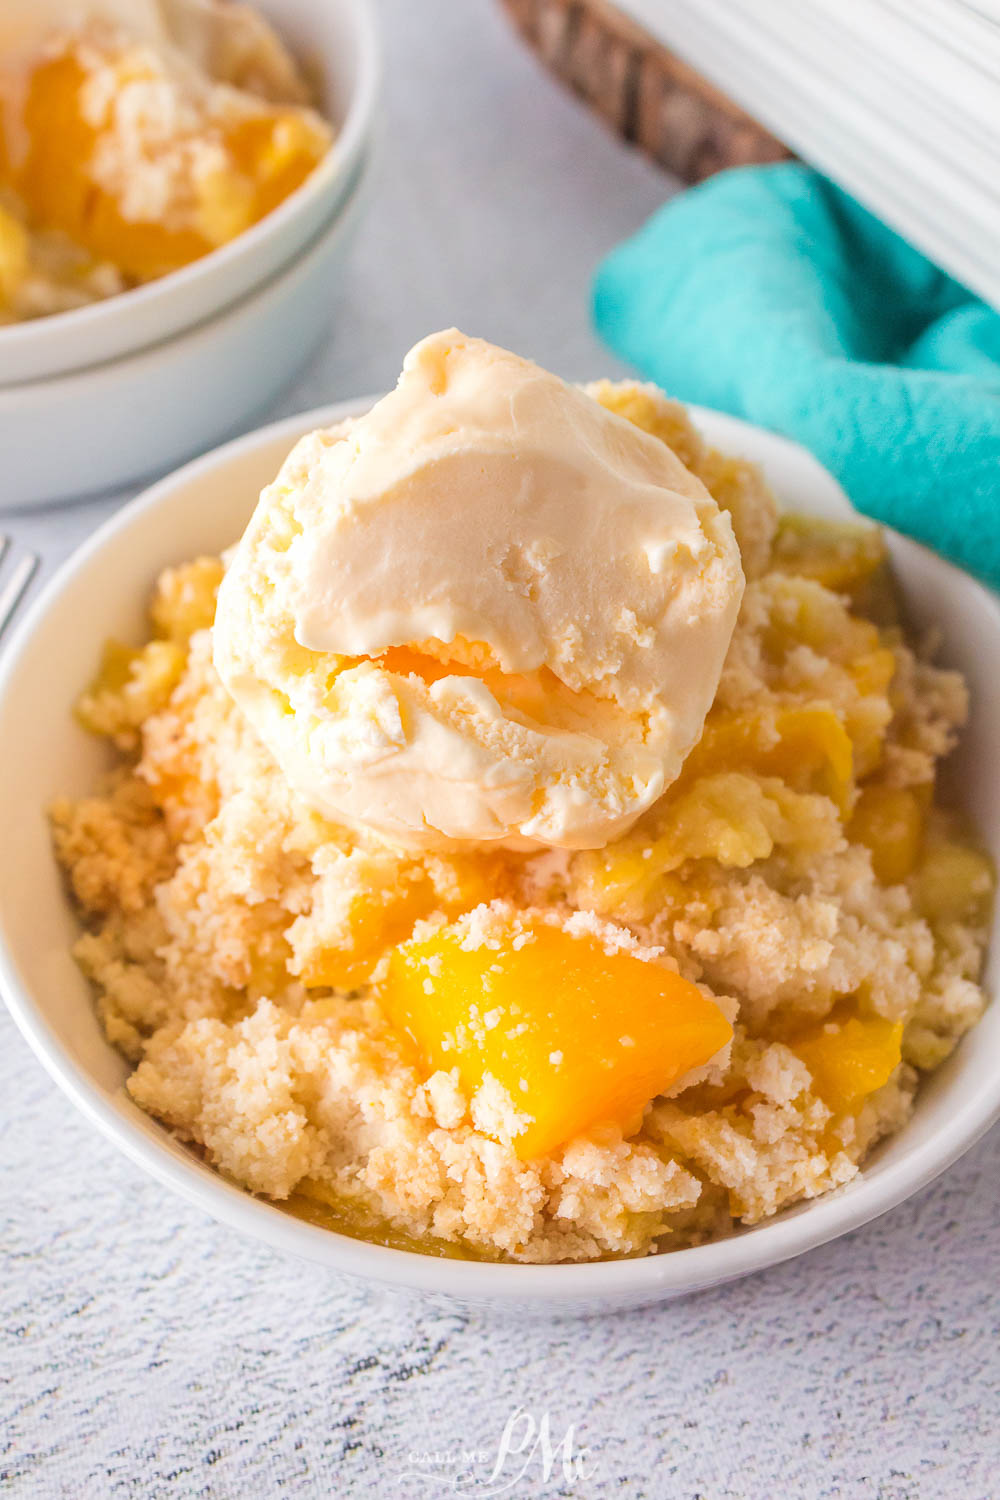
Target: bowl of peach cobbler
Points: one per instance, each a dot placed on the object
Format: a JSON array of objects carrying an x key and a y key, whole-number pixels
[
  {"x": 178, "y": 183},
  {"x": 177, "y": 151},
  {"x": 538, "y": 850}
]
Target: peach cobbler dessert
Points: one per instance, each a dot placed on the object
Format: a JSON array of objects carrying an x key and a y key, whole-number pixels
[
  {"x": 135, "y": 137},
  {"x": 524, "y": 843}
]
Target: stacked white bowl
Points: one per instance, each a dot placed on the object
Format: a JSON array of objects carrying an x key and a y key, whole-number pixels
[{"x": 97, "y": 397}]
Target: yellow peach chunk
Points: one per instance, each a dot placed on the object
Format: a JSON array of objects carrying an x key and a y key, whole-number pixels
[
  {"x": 730, "y": 817},
  {"x": 373, "y": 921},
  {"x": 889, "y": 821},
  {"x": 873, "y": 671},
  {"x": 374, "y": 899},
  {"x": 953, "y": 883},
  {"x": 575, "y": 1033},
  {"x": 804, "y": 613},
  {"x": 617, "y": 883},
  {"x": 851, "y": 1059},
  {"x": 15, "y": 259},
  {"x": 807, "y": 747},
  {"x": 737, "y": 819},
  {"x": 877, "y": 598},
  {"x": 867, "y": 718},
  {"x": 131, "y": 684},
  {"x": 837, "y": 554}
]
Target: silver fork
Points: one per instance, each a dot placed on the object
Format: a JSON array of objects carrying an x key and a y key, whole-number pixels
[{"x": 12, "y": 592}]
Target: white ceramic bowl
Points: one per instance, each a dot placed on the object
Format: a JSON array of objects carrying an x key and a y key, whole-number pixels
[
  {"x": 338, "y": 37},
  {"x": 102, "y": 592},
  {"x": 100, "y": 428}
]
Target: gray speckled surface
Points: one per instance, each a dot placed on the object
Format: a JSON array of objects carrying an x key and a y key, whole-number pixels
[{"x": 148, "y": 1352}]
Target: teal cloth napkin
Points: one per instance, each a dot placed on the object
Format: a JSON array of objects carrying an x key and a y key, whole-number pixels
[{"x": 768, "y": 292}]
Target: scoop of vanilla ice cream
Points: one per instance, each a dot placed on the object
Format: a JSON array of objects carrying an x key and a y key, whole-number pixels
[{"x": 488, "y": 610}]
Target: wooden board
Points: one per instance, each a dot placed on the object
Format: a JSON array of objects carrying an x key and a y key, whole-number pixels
[{"x": 642, "y": 90}]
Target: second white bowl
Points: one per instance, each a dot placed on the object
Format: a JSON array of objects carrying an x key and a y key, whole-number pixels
[
  {"x": 337, "y": 40},
  {"x": 100, "y": 428}
]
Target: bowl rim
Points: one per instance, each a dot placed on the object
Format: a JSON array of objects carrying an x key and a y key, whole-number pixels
[
  {"x": 802, "y": 1227},
  {"x": 347, "y": 145}
]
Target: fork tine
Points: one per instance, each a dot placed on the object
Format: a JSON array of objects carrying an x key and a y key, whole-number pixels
[{"x": 10, "y": 594}]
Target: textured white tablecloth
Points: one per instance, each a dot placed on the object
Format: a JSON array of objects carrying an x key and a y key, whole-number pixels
[{"x": 148, "y": 1352}]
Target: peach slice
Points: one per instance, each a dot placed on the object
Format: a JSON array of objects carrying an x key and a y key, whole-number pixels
[
  {"x": 851, "y": 1059},
  {"x": 808, "y": 747},
  {"x": 890, "y": 822},
  {"x": 837, "y": 554},
  {"x": 575, "y": 1027}
]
